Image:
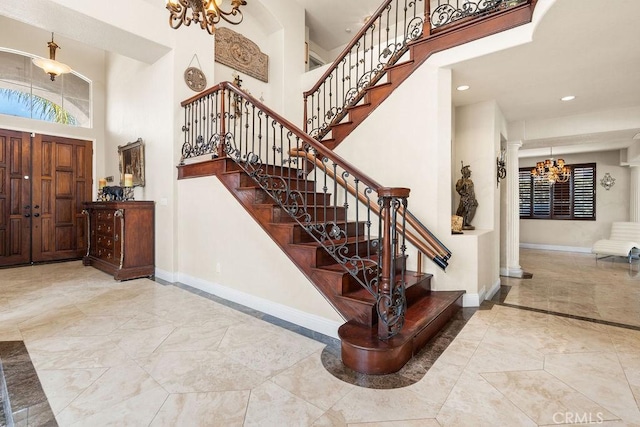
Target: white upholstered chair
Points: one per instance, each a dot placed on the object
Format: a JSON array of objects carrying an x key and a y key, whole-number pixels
[{"x": 624, "y": 241}]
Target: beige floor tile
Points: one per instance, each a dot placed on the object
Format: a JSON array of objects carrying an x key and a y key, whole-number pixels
[
  {"x": 474, "y": 402},
  {"x": 401, "y": 423},
  {"x": 503, "y": 351},
  {"x": 631, "y": 365},
  {"x": 64, "y": 385},
  {"x": 199, "y": 371},
  {"x": 438, "y": 381},
  {"x": 224, "y": 409},
  {"x": 543, "y": 397},
  {"x": 75, "y": 352},
  {"x": 205, "y": 337},
  {"x": 266, "y": 348},
  {"x": 364, "y": 405},
  {"x": 309, "y": 380},
  {"x": 117, "y": 395},
  {"x": 271, "y": 405},
  {"x": 140, "y": 336},
  {"x": 598, "y": 376}
]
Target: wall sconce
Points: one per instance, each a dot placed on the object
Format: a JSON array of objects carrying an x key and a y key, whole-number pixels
[
  {"x": 502, "y": 169},
  {"x": 607, "y": 181}
]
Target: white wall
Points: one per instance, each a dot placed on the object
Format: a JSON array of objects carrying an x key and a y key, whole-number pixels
[
  {"x": 227, "y": 247},
  {"x": 611, "y": 205}
]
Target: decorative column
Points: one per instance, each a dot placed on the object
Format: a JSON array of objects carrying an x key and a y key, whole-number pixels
[
  {"x": 634, "y": 196},
  {"x": 513, "y": 268}
]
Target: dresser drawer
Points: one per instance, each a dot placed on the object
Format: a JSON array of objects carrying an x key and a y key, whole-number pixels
[
  {"x": 105, "y": 228},
  {"x": 106, "y": 254},
  {"x": 104, "y": 242},
  {"x": 104, "y": 215}
]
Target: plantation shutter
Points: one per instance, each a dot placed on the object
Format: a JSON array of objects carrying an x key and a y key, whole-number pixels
[
  {"x": 574, "y": 199},
  {"x": 541, "y": 198},
  {"x": 525, "y": 193},
  {"x": 584, "y": 184},
  {"x": 561, "y": 200}
]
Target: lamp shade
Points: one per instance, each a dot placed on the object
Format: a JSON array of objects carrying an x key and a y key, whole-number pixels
[{"x": 51, "y": 66}]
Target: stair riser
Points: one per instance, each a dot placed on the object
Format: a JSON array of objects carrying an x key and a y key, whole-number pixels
[
  {"x": 350, "y": 250},
  {"x": 375, "y": 362},
  {"x": 311, "y": 214},
  {"x": 265, "y": 169},
  {"x": 296, "y": 233},
  {"x": 300, "y": 235},
  {"x": 344, "y": 282},
  {"x": 421, "y": 338}
]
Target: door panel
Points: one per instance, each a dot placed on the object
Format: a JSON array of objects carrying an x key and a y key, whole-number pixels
[
  {"x": 15, "y": 198},
  {"x": 62, "y": 169}
]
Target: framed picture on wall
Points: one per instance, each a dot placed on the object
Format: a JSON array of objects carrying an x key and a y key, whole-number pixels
[{"x": 132, "y": 162}]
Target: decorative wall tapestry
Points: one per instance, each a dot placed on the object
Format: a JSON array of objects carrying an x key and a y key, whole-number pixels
[{"x": 238, "y": 52}]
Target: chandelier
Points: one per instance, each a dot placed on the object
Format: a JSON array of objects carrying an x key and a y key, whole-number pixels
[
  {"x": 51, "y": 66},
  {"x": 207, "y": 13},
  {"x": 552, "y": 170}
]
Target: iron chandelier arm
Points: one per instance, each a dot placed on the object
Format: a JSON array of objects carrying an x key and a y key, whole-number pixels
[{"x": 205, "y": 12}]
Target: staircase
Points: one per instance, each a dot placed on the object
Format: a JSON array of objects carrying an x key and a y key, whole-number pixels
[
  {"x": 333, "y": 111},
  {"x": 362, "y": 350},
  {"x": 345, "y": 232}
]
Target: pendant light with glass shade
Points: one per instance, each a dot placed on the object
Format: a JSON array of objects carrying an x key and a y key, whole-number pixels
[{"x": 51, "y": 66}]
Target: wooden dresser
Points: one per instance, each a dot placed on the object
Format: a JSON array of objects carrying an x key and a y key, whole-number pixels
[{"x": 121, "y": 238}]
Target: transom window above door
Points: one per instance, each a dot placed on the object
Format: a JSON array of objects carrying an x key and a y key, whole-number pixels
[{"x": 27, "y": 91}]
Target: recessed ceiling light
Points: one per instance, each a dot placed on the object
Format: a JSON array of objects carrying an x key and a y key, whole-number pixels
[
  {"x": 463, "y": 87},
  {"x": 568, "y": 98},
  {"x": 348, "y": 30}
]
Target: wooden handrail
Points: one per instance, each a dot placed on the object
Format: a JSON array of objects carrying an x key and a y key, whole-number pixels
[{"x": 420, "y": 244}]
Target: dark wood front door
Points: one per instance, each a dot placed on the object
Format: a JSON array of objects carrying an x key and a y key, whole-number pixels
[
  {"x": 15, "y": 198},
  {"x": 56, "y": 180}
]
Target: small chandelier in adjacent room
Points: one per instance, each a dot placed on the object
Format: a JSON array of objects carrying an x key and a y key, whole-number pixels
[
  {"x": 51, "y": 66},
  {"x": 207, "y": 13},
  {"x": 552, "y": 170}
]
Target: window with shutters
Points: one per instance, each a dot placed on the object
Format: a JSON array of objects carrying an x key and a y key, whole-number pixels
[{"x": 573, "y": 200}]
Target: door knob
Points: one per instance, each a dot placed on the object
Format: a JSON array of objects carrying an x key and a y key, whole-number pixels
[
  {"x": 27, "y": 206},
  {"x": 27, "y": 215},
  {"x": 36, "y": 207},
  {"x": 36, "y": 215}
]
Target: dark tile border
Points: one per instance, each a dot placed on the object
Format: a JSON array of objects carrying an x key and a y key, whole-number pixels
[{"x": 26, "y": 403}]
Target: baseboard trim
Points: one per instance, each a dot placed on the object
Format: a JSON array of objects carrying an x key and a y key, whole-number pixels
[
  {"x": 289, "y": 314},
  {"x": 578, "y": 249},
  {"x": 471, "y": 300},
  {"x": 495, "y": 288},
  {"x": 165, "y": 275}
]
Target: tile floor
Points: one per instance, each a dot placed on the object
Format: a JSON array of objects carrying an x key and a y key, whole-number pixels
[{"x": 144, "y": 354}]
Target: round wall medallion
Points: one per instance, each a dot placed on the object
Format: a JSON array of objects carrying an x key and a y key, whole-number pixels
[{"x": 195, "y": 79}]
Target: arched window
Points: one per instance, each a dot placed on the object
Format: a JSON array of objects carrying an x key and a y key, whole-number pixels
[{"x": 27, "y": 91}]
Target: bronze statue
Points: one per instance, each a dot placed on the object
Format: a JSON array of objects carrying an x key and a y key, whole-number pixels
[{"x": 468, "y": 202}]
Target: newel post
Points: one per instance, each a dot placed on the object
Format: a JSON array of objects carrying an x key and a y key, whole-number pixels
[
  {"x": 223, "y": 123},
  {"x": 391, "y": 302}
]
